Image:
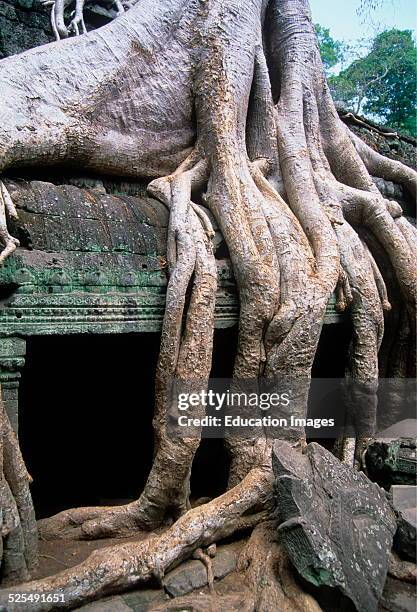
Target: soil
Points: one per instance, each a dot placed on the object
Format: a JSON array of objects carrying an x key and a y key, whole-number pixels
[{"x": 57, "y": 555}]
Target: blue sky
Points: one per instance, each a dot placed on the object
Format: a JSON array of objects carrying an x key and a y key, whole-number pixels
[{"x": 345, "y": 24}]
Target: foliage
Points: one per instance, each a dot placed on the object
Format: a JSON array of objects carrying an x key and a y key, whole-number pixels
[
  {"x": 331, "y": 50},
  {"x": 366, "y": 6},
  {"x": 383, "y": 83}
]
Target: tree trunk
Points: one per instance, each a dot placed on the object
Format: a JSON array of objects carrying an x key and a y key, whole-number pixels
[{"x": 227, "y": 99}]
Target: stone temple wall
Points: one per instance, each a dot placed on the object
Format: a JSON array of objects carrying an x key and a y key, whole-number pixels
[
  {"x": 383, "y": 139},
  {"x": 23, "y": 24}
]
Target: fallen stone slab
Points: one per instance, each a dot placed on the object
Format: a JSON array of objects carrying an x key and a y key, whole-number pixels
[
  {"x": 142, "y": 600},
  {"x": 336, "y": 525},
  {"x": 404, "y": 502},
  {"x": 192, "y": 575}
]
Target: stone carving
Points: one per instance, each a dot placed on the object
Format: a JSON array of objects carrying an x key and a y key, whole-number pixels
[
  {"x": 336, "y": 525},
  {"x": 99, "y": 268},
  {"x": 392, "y": 457}
]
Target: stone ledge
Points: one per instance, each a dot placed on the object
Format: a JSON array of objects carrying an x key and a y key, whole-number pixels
[{"x": 93, "y": 262}]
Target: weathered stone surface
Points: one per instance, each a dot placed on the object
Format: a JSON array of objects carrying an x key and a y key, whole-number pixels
[
  {"x": 392, "y": 457},
  {"x": 23, "y": 24},
  {"x": 140, "y": 600},
  {"x": 404, "y": 501},
  {"x": 336, "y": 525},
  {"x": 145, "y": 599},
  {"x": 111, "y": 604},
  {"x": 398, "y": 596},
  {"x": 192, "y": 575},
  {"x": 57, "y": 218}
]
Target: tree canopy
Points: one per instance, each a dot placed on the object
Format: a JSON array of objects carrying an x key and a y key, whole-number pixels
[
  {"x": 331, "y": 50},
  {"x": 383, "y": 83}
]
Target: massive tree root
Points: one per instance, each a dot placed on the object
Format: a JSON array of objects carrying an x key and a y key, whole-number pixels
[
  {"x": 291, "y": 192},
  {"x": 110, "y": 570},
  {"x": 269, "y": 575}
]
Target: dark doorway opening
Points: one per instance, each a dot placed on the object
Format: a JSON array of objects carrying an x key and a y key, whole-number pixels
[
  {"x": 85, "y": 411},
  {"x": 211, "y": 464},
  {"x": 330, "y": 361},
  {"x": 85, "y": 419}
]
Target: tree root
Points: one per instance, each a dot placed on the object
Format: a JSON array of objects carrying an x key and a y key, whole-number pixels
[
  {"x": 6, "y": 206},
  {"x": 206, "y": 560},
  {"x": 19, "y": 538},
  {"x": 291, "y": 193},
  {"x": 112, "y": 570},
  {"x": 269, "y": 575},
  {"x": 77, "y": 24},
  {"x": 402, "y": 570},
  {"x": 388, "y": 169}
]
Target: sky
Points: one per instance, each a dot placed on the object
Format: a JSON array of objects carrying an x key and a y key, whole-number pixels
[{"x": 345, "y": 24}]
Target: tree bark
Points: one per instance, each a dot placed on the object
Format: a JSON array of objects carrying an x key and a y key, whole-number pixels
[{"x": 226, "y": 100}]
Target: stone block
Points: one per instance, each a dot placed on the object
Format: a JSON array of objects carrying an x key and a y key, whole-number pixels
[
  {"x": 336, "y": 525},
  {"x": 111, "y": 604},
  {"x": 192, "y": 575},
  {"x": 404, "y": 501}
]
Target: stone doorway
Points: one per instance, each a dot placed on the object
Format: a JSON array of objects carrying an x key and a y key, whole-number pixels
[
  {"x": 85, "y": 412},
  {"x": 85, "y": 419}
]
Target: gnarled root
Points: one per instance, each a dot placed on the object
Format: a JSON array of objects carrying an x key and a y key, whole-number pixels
[
  {"x": 184, "y": 355},
  {"x": 6, "y": 208},
  {"x": 112, "y": 570},
  {"x": 205, "y": 558},
  {"x": 270, "y": 576},
  {"x": 77, "y": 24},
  {"x": 402, "y": 570},
  {"x": 18, "y": 543},
  {"x": 388, "y": 169},
  {"x": 345, "y": 191}
]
